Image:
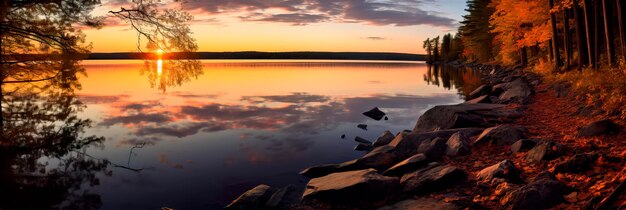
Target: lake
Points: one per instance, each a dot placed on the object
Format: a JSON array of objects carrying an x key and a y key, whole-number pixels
[{"x": 196, "y": 134}]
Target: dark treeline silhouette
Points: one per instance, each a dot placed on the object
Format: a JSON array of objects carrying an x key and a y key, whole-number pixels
[
  {"x": 266, "y": 55},
  {"x": 446, "y": 48}
]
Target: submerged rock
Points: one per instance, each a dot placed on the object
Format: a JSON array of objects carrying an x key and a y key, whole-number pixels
[
  {"x": 543, "y": 192},
  {"x": 504, "y": 170},
  {"x": 432, "y": 179},
  {"x": 546, "y": 150},
  {"x": 384, "y": 139},
  {"x": 576, "y": 164},
  {"x": 343, "y": 136},
  {"x": 501, "y": 135},
  {"x": 353, "y": 188},
  {"x": 597, "y": 128},
  {"x": 461, "y": 116},
  {"x": 375, "y": 114},
  {"x": 255, "y": 198},
  {"x": 362, "y": 126},
  {"x": 458, "y": 144},
  {"x": 421, "y": 204},
  {"x": 412, "y": 163}
]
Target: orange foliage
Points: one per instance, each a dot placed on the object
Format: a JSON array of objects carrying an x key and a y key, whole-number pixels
[{"x": 520, "y": 23}]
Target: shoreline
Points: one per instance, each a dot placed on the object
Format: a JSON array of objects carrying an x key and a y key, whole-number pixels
[{"x": 492, "y": 151}]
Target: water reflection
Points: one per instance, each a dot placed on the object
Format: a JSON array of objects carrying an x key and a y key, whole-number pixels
[
  {"x": 465, "y": 80},
  {"x": 42, "y": 139},
  {"x": 170, "y": 73}
]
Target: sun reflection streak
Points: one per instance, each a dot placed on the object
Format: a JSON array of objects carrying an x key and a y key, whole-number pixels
[{"x": 159, "y": 67}]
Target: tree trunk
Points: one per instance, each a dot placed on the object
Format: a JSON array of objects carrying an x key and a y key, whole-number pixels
[
  {"x": 555, "y": 43},
  {"x": 581, "y": 41},
  {"x": 4, "y": 8},
  {"x": 523, "y": 56},
  {"x": 597, "y": 33},
  {"x": 608, "y": 32},
  {"x": 620, "y": 25},
  {"x": 567, "y": 39},
  {"x": 589, "y": 28}
]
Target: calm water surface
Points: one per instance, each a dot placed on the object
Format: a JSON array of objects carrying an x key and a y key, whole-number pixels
[{"x": 196, "y": 136}]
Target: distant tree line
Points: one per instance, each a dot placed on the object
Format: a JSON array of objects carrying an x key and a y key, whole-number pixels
[
  {"x": 568, "y": 33},
  {"x": 445, "y": 48}
]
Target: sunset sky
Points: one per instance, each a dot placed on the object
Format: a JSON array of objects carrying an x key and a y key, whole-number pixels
[{"x": 300, "y": 25}]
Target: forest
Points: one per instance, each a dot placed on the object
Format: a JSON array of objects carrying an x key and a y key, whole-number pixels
[{"x": 581, "y": 42}]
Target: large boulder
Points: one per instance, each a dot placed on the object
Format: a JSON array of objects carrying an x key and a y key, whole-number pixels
[
  {"x": 458, "y": 144},
  {"x": 597, "y": 128},
  {"x": 433, "y": 149},
  {"x": 482, "y": 90},
  {"x": 480, "y": 99},
  {"x": 505, "y": 170},
  {"x": 406, "y": 144},
  {"x": 461, "y": 116},
  {"x": 256, "y": 198},
  {"x": 543, "y": 192},
  {"x": 502, "y": 135},
  {"x": 523, "y": 145},
  {"x": 381, "y": 158},
  {"x": 285, "y": 198},
  {"x": 384, "y": 139},
  {"x": 412, "y": 163},
  {"x": 576, "y": 164},
  {"x": 518, "y": 89},
  {"x": 353, "y": 188},
  {"x": 431, "y": 179},
  {"x": 421, "y": 204},
  {"x": 546, "y": 150}
]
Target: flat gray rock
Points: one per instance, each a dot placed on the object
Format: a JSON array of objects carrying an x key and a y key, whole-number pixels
[
  {"x": 255, "y": 198},
  {"x": 412, "y": 163},
  {"x": 503, "y": 135},
  {"x": 384, "y": 139},
  {"x": 459, "y": 116},
  {"x": 351, "y": 188},
  {"x": 436, "y": 178},
  {"x": 503, "y": 170}
]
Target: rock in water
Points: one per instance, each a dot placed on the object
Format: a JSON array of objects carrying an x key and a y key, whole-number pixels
[
  {"x": 375, "y": 114},
  {"x": 363, "y": 147},
  {"x": 384, "y": 139},
  {"x": 343, "y": 136},
  {"x": 458, "y": 144},
  {"x": 362, "y": 126},
  {"x": 544, "y": 192},
  {"x": 386, "y": 118},
  {"x": 547, "y": 150},
  {"x": 421, "y": 204},
  {"x": 504, "y": 170},
  {"x": 503, "y": 135},
  {"x": 431, "y": 179},
  {"x": 255, "y": 198},
  {"x": 602, "y": 127},
  {"x": 410, "y": 164},
  {"x": 353, "y": 188},
  {"x": 381, "y": 158},
  {"x": 362, "y": 140}
]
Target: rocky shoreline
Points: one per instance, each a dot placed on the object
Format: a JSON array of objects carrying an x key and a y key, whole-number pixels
[{"x": 434, "y": 165}]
